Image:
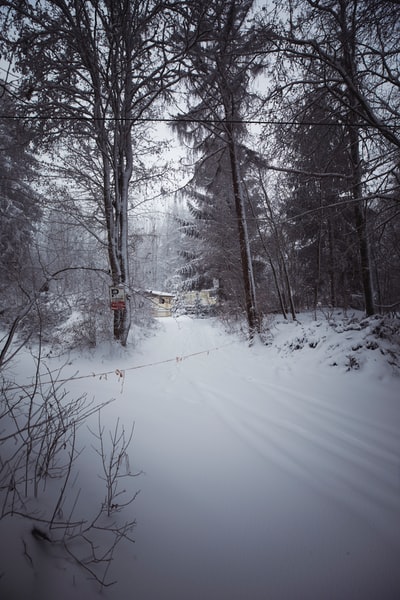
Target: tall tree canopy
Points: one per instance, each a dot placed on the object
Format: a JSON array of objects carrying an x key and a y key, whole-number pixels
[
  {"x": 19, "y": 204},
  {"x": 221, "y": 66},
  {"x": 94, "y": 69},
  {"x": 319, "y": 77},
  {"x": 346, "y": 53}
]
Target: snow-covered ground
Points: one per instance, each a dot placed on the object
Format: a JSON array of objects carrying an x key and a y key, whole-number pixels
[{"x": 270, "y": 472}]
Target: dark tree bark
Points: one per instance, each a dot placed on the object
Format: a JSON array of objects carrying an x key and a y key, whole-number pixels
[{"x": 245, "y": 252}]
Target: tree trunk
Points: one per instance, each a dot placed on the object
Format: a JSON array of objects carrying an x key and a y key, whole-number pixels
[
  {"x": 332, "y": 287},
  {"x": 268, "y": 254},
  {"x": 281, "y": 257},
  {"x": 278, "y": 291},
  {"x": 116, "y": 180},
  {"x": 349, "y": 40},
  {"x": 360, "y": 220},
  {"x": 317, "y": 281},
  {"x": 245, "y": 254},
  {"x": 288, "y": 288}
]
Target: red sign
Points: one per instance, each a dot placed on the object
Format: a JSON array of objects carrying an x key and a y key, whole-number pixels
[
  {"x": 117, "y": 305},
  {"x": 117, "y": 298}
]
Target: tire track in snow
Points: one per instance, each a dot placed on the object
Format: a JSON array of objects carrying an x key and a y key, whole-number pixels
[
  {"x": 360, "y": 433},
  {"x": 349, "y": 459},
  {"x": 332, "y": 464}
]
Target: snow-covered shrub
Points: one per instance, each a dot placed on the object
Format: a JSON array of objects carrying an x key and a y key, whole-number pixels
[
  {"x": 352, "y": 363},
  {"x": 85, "y": 327},
  {"x": 39, "y": 450}
]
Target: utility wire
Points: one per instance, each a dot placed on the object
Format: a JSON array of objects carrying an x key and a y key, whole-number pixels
[{"x": 190, "y": 120}]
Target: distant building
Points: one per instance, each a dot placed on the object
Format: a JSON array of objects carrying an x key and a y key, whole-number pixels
[
  {"x": 199, "y": 302},
  {"x": 162, "y": 303},
  {"x": 195, "y": 302}
]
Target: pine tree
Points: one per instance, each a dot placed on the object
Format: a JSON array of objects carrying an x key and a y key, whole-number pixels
[{"x": 222, "y": 64}]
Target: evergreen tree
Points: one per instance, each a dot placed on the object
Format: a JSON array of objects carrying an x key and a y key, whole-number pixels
[
  {"x": 222, "y": 64},
  {"x": 20, "y": 208}
]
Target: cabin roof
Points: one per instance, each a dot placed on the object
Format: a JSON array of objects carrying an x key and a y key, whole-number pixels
[{"x": 156, "y": 293}]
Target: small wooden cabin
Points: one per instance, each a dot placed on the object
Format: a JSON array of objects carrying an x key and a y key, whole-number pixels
[{"x": 162, "y": 303}]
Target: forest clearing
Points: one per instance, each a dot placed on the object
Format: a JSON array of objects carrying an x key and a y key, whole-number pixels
[{"x": 270, "y": 471}]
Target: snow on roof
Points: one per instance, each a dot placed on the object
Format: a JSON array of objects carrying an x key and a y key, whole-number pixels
[{"x": 155, "y": 293}]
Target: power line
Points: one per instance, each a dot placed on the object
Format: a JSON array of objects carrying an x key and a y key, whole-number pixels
[{"x": 190, "y": 120}]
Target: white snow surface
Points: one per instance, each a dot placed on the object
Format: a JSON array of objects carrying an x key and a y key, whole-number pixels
[{"x": 269, "y": 472}]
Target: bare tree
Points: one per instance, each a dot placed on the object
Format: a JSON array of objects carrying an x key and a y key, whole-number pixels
[
  {"x": 350, "y": 49},
  {"x": 94, "y": 70}
]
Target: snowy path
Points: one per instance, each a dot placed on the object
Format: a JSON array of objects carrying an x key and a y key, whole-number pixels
[
  {"x": 267, "y": 475},
  {"x": 262, "y": 480}
]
